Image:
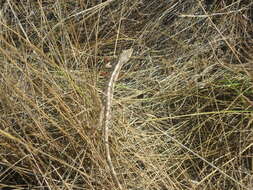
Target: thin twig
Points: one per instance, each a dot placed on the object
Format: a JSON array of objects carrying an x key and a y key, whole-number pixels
[{"x": 123, "y": 58}]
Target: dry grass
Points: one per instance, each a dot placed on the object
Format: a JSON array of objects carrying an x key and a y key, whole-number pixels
[{"x": 182, "y": 113}]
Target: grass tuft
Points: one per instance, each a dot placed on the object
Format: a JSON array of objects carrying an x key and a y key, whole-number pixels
[{"x": 182, "y": 112}]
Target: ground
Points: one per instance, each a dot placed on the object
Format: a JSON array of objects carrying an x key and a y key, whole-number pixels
[{"x": 182, "y": 109}]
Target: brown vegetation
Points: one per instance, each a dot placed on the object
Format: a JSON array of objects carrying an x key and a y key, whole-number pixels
[{"x": 182, "y": 112}]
